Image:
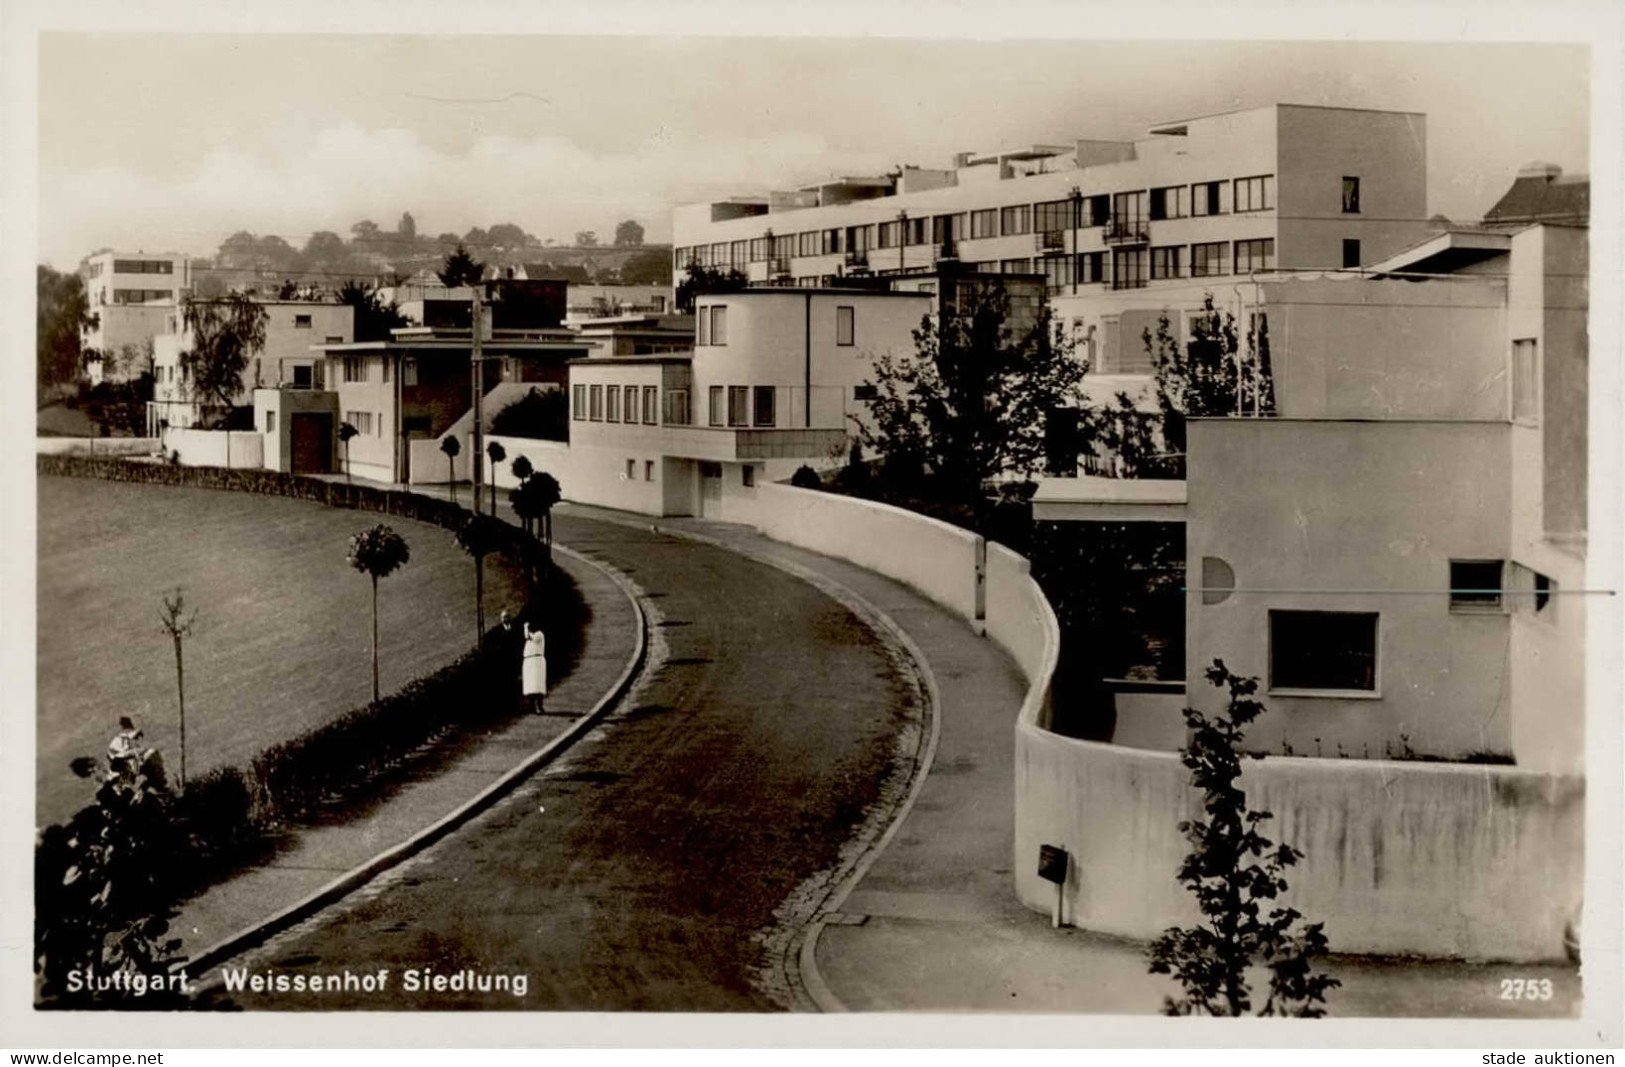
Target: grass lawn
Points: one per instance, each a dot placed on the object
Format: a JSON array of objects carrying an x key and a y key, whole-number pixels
[{"x": 282, "y": 640}]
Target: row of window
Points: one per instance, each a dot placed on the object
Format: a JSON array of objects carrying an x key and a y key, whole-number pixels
[
  {"x": 1133, "y": 268},
  {"x": 1196, "y": 200},
  {"x": 732, "y": 405},
  {"x": 137, "y": 266},
  {"x": 141, "y": 296},
  {"x": 355, "y": 369},
  {"x": 631, "y": 404},
  {"x": 712, "y": 323}
]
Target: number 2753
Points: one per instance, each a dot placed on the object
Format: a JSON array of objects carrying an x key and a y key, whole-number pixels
[{"x": 1526, "y": 989}]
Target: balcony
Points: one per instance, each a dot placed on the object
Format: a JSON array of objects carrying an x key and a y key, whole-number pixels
[
  {"x": 857, "y": 261},
  {"x": 778, "y": 268},
  {"x": 721, "y": 444},
  {"x": 1050, "y": 241},
  {"x": 1127, "y": 232},
  {"x": 947, "y": 251}
]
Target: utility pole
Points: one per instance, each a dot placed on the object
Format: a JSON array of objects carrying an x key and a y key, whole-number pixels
[
  {"x": 177, "y": 624},
  {"x": 476, "y": 458}
]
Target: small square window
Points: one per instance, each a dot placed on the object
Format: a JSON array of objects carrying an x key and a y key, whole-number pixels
[
  {"x": 865, "y": 391},
  {"x": 301, "y": 322},
  {"x": 1475, "y": 585},
  {"x": 1323, "y": 650}
]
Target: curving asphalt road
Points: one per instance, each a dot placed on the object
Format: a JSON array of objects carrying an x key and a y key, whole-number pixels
[{"x": 643, "y": 871}]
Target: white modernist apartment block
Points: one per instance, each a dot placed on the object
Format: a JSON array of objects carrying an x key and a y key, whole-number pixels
[
  {"x": 287, "y": 360},
  {"x": 775, "y": 380},
  {"x": 1215, "y": 199},
  {"x": 132, "y": 295}
]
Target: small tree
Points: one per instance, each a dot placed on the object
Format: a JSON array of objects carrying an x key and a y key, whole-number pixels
[
  {"x": 806, "y": 478},
  {"x": 699, "y": 280},
  {"x": 225, "y": 335},
  {"x": 104, "y": 881},
  {"x": 522, "y": 470},
  {"x": 628, "y": 234},
  {"x": 497, "y": 453},
  {"x": 346, "y": 432},
  {"x": 177, "y": 623},
  {"x": 479, "y": 536},
  {"x": 1233, "y": 870},
  {"x": 533, "y": 501},
  {"x": 374, "y": 319},
  {"x": 451, "y": 447},
  {"x": 378, "y": 553},
  {"x": 460, "y": 269}
]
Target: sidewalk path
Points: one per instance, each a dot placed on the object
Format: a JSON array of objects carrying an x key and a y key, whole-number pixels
[
  {"x": 323, "y": 853},
  {"x": 934, "y": 924}
]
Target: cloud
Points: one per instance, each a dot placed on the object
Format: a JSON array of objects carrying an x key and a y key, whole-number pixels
[{"x": 551, "y": 186}]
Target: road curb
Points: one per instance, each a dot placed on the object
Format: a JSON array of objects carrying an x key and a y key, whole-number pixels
[
  {"x": 355, "y": 878},
  {"x": 806, "y": 955}
]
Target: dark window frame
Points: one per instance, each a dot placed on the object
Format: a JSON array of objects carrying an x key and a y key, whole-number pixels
[{"x": 1299, "y": 637}]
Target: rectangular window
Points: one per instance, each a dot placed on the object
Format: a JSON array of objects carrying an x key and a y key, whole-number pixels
[
  {"x": 335, "y": 340},
  {"x": 595, "y": 403},
  {"x": 677, "y": 413},
  {"x": 270, "y": 422},
  {"x": 1351, "y": 196},
  {"x": 648, "y": 470},
  {"x": 866, "y": 391},
  {"x": 1165, "y": 262},
  {"x": 1092, "y": 268},
  {"x": 302, "y": 377},
  {"x": 738, "y": 405},
  {"x": 807, "y": 243},
  {"x": 1016, "y": 220},
  {"x": 578, "y": 402},
  {"x": 384, "y": 363},
  {"x": 1351, "y": 254},
  {"x": 651, "y": 405},
  {"x": 984, "y": 223},
  {"x": 1129, "y": 268},
  {"x": 631, "y": 469},
  {"x": 716, "y": 411},
  {"x": 409, "y": 372},
  {"x": 1170, "y": 202},
  {"x": 1257, "y": 255},
  {"x": 1334, "y": 651},
  {"x": 355, "y": 369},
  {"x": 1525, "y": 380},
  {"x": 764, "y": 414},
  {"x": 719, "y": 324},
  {"x": 630, "y": 405},
  {"x": 1205, "y": 199},
  {"x": 301, "y": 322},
  {"x": 1254, "y": 194},
  {"x": 612, "y": 404},
  {"x": 886, "y": 236},
  {"x": 844, "y": 325},
  {"x": 747, "y": 476},
  {"x": 703, "y": 318},
  {"x": 919, "y": 231},
  {"x": 759, "y": 249},
  {"x": 1052, "y": 216},
  {"x": 1059, "y": 271},
  {"x": 1207, "y": 260},
  {"x": 1475, "y": 585},
  {"x": 1097, "y": 210},
  {"x": 1016, "y": 266}
]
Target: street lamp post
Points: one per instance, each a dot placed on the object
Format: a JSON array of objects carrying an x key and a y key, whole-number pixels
[{"x": 477, "y": 367}]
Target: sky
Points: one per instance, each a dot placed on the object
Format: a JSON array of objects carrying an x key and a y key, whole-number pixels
[{"x": 170, "y": 142}]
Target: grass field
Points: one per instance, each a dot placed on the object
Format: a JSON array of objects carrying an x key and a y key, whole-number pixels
[{"x": 282, "y": 640}]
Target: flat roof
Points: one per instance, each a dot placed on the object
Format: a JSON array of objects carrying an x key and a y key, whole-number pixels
[
  {"x": 1265, "y": 107},
  {"x": 1093, "y": 489},
  {"x": 1451, "y": 249},
  {"x": 632, "y": 361}
]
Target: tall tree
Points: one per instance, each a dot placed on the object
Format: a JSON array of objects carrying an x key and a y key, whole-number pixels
[
  {"x": 970, "y": 405},
  {"x": 407, "y": 227},
  {"x": 378, "y": 553},
  {"x": 507, "y": 235},
  {"x": 364, "y": 231},
  {"x": 460, "y": 268},
  {"x": 224, "y": 335},
  {"x": 479, "y": 536},
  {"x": 649, "y": 267},
  {"x": 177, "y": 624},
  {"x": 62, "y": 314},
  {"x": 628, "y": 234}
]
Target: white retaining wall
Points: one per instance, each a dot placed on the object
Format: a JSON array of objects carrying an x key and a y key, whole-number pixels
[
  {"x": 208, "y": 448},
  {"x": 1477, "y": 862}
]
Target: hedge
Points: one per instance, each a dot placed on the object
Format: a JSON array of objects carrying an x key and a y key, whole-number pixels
[{"x": 231, "y": 813}]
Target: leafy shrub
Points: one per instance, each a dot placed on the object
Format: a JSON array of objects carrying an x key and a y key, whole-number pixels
[
  {"x": 806, "y": 478},
  {"x": 542, "y": 414}
]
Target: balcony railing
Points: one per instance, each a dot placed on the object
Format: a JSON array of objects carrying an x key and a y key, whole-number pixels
[
  {"x": 1131, "y": 231},
  {"x": 857, "y": 260},
  {"x": 947, "y": 250},
  {"x": 1049, "y": 240}
]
